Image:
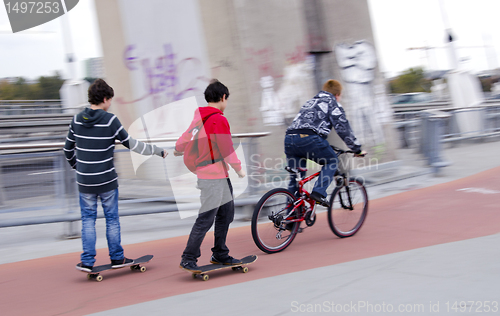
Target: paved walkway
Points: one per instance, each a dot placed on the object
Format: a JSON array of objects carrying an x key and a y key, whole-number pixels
[
  {"x": 424, "y": 242},
  {"x": 424, "y": 246}
]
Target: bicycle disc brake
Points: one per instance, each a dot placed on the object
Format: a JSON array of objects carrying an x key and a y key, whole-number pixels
[{"x": 276, "y": 219}]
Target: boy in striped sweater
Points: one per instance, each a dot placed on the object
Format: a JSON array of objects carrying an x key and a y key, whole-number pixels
[{"x": 89, "y": 149}]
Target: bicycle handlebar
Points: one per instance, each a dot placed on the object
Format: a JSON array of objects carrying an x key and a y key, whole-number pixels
[{"x": 340, "y": 151}]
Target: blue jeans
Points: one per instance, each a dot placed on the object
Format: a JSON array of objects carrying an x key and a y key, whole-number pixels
[
  {"x": 88, "y": 206},
  {"x": 298, "y": 149}
]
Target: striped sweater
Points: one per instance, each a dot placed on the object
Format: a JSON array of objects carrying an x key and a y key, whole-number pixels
[{"x": 90, "y": 145}]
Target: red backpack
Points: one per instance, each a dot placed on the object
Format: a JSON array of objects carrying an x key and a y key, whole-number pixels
[{"x": 191, "y": 151}]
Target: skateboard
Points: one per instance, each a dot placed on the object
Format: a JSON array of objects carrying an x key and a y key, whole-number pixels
[
  {"x": 94, "y": 275},
  {"x": 213, "y": 267}
]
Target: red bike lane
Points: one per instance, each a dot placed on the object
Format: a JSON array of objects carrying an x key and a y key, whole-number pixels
[{"x": 453, "y": 211}]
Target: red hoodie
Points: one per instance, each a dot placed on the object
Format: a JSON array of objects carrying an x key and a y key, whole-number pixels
[{"x": 217, "y": 127}]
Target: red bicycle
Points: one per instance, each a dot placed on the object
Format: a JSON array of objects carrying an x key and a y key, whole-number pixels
[{"x": 278, "y": 214}]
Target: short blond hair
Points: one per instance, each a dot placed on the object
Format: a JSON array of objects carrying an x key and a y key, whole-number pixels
[{"x": 332, "y": 86}]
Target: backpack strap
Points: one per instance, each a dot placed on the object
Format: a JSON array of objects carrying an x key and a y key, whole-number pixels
[
  {"x": 210, "y": 143},
  {"x": 203, "y": 121},
  {"x": 208, "y": 162}
]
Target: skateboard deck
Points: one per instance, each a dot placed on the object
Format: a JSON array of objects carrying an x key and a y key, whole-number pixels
[
  {"x": 203, "y": 270},
  {"x": 94, "y": 275}
]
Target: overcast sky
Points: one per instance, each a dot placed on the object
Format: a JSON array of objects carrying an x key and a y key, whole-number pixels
[
  {"x": 39, "y": 51},
  {"x": 402, "y": 24},
  {"x": 397, "y": 26}
]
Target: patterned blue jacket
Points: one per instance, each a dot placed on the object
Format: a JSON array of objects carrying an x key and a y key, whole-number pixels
[{"x": 320, "y": 114}]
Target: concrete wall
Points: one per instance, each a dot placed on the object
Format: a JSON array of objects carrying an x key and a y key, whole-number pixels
[
  {"x": 255, "y": 39},
  {"x": 259, "y": 49},
  {"x": 154, "y": 54},
  {"x": 113, "y": 43},
  {"x": 272, "y": 54}
]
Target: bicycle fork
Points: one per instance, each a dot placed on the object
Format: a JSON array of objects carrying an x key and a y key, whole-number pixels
[{"x": 348, "y": 196}]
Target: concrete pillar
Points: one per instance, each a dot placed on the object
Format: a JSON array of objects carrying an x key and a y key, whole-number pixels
[{"x": 272, "y": 54}]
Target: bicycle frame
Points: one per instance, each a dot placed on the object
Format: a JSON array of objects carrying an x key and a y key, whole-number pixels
[
  {"x": 305, "y": 196},
  {"x": 302, "y": 200},
  {"x": 285, "y": 215}
]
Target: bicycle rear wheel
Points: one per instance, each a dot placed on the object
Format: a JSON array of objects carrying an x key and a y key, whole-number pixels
[
  {"x": 269, "y": 231},
  {"x": 348, "y": 209}
]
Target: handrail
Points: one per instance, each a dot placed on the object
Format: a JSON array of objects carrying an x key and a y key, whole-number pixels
[
  {"x": 30, "y": 101},
  {"x": 60, "y": 145},
  {"x": 71, "y": 217},
  {"x": 442, "y": 105}
]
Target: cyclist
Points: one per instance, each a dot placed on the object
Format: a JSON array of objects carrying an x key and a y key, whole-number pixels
[{"x": 306, "y": 138}]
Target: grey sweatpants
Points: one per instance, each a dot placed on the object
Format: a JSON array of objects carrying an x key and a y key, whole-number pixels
[{"x": 216, "y": 204}]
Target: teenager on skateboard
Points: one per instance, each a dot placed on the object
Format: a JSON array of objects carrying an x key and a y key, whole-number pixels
[
  {"x": 89, "y": 149},
  {"x": 214, "y": 153}
]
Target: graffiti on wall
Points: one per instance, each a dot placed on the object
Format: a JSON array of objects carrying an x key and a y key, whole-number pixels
[
  {"x": 270, "y": 105},
  {"x": 279, "y": 105},
  {"x": 369, "y": 106},
  {"x": 159, "y": 81},
  {"x": 296, "y": 88},
  {"x": 164, "y": 78}
]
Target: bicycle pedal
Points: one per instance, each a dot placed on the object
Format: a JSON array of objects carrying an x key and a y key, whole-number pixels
[{"x": 310, "y": 220}]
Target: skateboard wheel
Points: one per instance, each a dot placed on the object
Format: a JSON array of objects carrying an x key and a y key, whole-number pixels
[
  {"x": 234, "y": 268},
  {"x": 244, "y": 269},
  {"x": 205, "y": 277},
  {"x": 89, "y": 277},
  {"x": 98, "y": 278},
  {"x": 142, "y": 269},
  {"x": 195, "y": 276}
]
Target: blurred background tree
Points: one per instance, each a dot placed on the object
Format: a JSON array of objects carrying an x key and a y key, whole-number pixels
[
  {"x": 412, "y": 80},
  {"x": 44, "y": 88}
]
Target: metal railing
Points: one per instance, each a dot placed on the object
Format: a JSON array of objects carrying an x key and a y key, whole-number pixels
[
  {"x": 486, "y": 118},
  {"x": 444, "y": 105},
  {"x": 30, "y": 107},
  {"x": 34, "y": 183}
]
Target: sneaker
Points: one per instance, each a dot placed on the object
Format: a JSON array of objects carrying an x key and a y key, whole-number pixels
[
  {"x": 115, "y": 264},
  {"x": 228, "y": 261},
  {"x": 321, "y": 200},
  {"x": 83, "y": 267},
  {"x": 190, "y": 266}
]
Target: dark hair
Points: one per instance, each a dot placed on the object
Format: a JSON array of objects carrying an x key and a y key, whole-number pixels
[
  {"x": 98, "y": 91},
  {"x": 215, "y": 91}
]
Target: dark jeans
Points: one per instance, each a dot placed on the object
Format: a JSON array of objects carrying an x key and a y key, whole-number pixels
[
  {"x": 216, "y": 204},
  {"x": 298, "y": 149}
]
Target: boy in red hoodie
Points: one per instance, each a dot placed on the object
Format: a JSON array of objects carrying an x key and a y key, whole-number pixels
[{"x": 215, "y": 152}]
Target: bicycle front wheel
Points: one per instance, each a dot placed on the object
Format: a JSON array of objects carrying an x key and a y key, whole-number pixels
[
  {"x": 348, "y": 209},
  {"x": 270, "y": 230}
]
